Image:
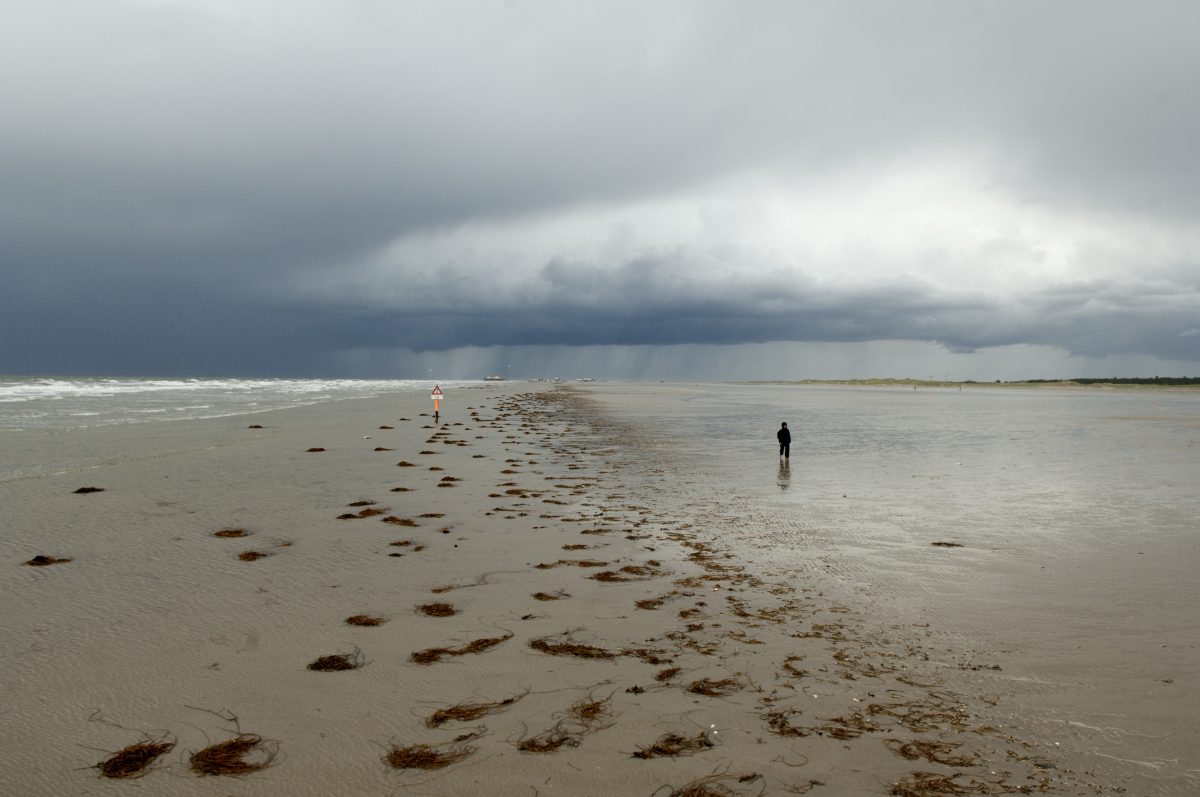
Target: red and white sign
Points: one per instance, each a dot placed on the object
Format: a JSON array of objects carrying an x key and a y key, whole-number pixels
[{"x": 437, "y": 392}]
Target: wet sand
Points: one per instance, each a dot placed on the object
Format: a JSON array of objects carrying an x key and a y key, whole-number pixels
[
  {"x": 535, "y": 613},
  {"x": 1043, "y": 542}
]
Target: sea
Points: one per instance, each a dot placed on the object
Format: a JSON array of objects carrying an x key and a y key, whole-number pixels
[
  {"x": 39, "y": 415},
  {"x": 78, "y": 402},
  {"x": 1044, "y": 542}
]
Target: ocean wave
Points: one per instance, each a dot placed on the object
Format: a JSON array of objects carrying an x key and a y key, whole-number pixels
[{"x": 48, "y": 402}]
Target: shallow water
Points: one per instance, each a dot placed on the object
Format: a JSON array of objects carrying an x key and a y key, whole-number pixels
[{"x": 1072, "y": 597}]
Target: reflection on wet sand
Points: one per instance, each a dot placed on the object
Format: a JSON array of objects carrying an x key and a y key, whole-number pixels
[{"x": 1043, "y": 545}]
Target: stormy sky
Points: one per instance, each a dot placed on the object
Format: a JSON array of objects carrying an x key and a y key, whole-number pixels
[{"x": 695, "y": 190}]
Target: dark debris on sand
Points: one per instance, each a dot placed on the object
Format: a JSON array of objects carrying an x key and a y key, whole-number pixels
[
  {"x": 427, "y": 757},
  {"x": 714, "y": 688},
  {"x": 338, "y": 661},
  {"x": 712, "y": 786},
  {"x": 469, "y": 712},
  {"x": 245, "y": 754},
  {"x": 41, "y": 560},
  {"x": 133, "y": 761},
  {"x": 364, "y": 620},
  {"x": 674, "y": 744},
  {"x": 434, "y": 655}
]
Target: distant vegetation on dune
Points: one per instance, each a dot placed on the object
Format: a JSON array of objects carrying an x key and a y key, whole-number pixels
[
  {"x": 1122, "y": 380},
  {"x": 1165, "y": 381}
]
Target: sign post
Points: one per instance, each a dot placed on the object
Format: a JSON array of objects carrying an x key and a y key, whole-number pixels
[{"x": 436, "y": 395}]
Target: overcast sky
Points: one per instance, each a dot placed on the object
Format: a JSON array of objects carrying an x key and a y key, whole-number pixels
[{"x": 639, "y": 189}]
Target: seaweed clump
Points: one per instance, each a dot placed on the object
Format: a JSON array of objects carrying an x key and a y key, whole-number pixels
[
  {"x": 714, "y": 688},
  {"x": 626, "y": 574},
  {"x": 932, "y": 784},
  {"x": 932, "y": 751},
  {"x": 662, "y": 676},
  {"x": 231, "y": 533},
  {"x": 368, "y": 512},
  {"x": 780, "y": 724},
  {"x": 468, "y": 712},
  {"x": 711, "y": 786},
  {"x": 231, "y": 757},
  {"x": 434, "y": 655},
  {"x": 571, "y": 649},
  {"x": 41, "y": 560},
  {"x": 422, "y": 756},
  {"x": 364, "y": 620},
  {"x": 673, "y": 744},
  {"x": 570, "y": 562},
  {"x": 590, "y": 712},
  {"x": 133, "y": 761},
  {"x": 584, "y": 717},
  {"x": 437, "y": 609},
  {"x": 581, "y": 651},
  {"x": 338, "y": 661},
  {"x": 428, "y": 757},
  {"x": 548, "y": 741}
]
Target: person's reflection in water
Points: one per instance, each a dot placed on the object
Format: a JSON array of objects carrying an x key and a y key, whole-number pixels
[{"x": 784, "y": 478}]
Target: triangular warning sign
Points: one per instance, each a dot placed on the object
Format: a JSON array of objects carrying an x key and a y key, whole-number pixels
[{"x": 437, "y": 390}]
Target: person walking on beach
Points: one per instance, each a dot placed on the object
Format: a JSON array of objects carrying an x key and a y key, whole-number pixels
[{"x": 785, "y": 441}]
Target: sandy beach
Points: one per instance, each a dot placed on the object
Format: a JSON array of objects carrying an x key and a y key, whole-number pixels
[{"x": 505, "y": 602}]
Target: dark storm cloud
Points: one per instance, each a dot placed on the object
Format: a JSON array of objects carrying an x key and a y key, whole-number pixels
[
  {"x": 196, "y": 180},
  {"x": 653, "y": 300}
]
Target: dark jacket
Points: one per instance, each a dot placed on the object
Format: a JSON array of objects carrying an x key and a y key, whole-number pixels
[{"x": 785, "y": 437}]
